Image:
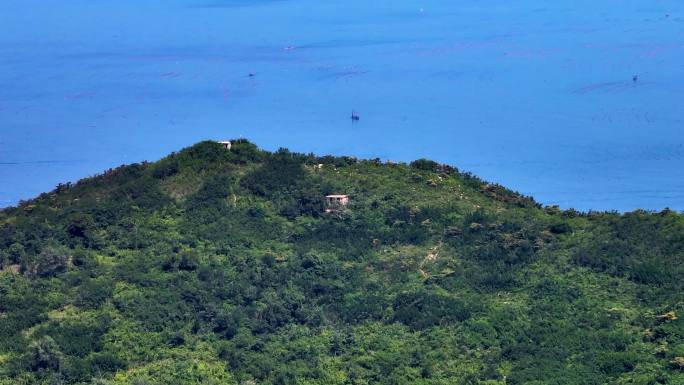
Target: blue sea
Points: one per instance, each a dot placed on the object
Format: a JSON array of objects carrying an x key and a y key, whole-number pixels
[{"x": 578, "y": 103}]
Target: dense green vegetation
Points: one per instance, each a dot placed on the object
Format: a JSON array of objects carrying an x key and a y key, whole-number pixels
[{"x": 222, "y": 267}]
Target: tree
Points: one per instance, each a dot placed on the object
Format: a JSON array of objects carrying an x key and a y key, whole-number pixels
[
  {"x": 44, "y": 354},
  {"x": 50, "y": 262}
]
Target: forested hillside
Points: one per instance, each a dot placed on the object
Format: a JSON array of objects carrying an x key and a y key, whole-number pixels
[{"x": 215, "y": 266}]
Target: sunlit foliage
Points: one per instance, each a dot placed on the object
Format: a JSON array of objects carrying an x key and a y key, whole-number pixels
[{"x": 222, "y": 267}]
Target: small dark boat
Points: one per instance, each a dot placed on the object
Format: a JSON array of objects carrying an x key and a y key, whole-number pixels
[{"x": 354, "y": 117}]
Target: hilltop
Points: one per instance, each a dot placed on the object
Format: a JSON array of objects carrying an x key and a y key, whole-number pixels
[{"x": 219, "y": 266}]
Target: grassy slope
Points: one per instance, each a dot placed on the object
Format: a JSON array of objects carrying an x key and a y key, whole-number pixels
[{"x": 218, "y": 267}]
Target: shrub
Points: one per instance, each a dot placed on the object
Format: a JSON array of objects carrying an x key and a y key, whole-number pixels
[
  {"x": 166, "y": 169},
  {"x": 423, "y": 309},
  {"x": 425, "y": 165},
  {"x": 94, "y": 292},
  {"x": 50, "y": 262},
  {"x": 44, "y": 354},
  {"x": 560, "y": 228}
]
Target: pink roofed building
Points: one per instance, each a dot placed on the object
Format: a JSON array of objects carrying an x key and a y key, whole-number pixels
[{"x": 335, "y": 202}]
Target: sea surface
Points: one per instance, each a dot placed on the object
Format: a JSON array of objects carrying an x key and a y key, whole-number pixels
[{"x": 578, "y": 103}]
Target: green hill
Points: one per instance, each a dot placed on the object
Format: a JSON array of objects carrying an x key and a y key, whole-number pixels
[{"x": 216, "y": 266}]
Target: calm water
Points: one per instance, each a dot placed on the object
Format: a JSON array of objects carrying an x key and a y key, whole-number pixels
[{"x": 538, "y": 96}]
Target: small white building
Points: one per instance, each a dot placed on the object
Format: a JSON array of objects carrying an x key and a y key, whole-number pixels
[{"x": 225, "y": 143}]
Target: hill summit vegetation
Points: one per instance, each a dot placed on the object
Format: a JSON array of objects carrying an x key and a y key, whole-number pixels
[{"x": 215, "y": 266}]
